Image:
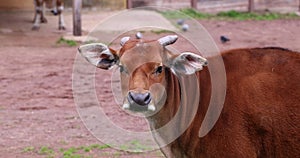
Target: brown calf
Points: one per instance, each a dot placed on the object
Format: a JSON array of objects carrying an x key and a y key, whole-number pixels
[{"x": 260, "y": 117}]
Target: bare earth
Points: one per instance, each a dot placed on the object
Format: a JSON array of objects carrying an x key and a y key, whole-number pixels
[{"x": 37, "y": 110}]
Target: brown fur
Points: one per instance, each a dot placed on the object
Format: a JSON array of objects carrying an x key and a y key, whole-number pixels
[{"x": 260, "y": 117}]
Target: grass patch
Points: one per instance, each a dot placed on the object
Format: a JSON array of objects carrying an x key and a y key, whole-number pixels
[
  {"x": 255, "y": 16},
  {"x": 44, "y": 150},
  {"x": 161, "y": 31},
  {"x": 173, "y": 14},
  {"x": 195, "y": 14},
  {"x": 70, "y": 153},
  {"x": 228, "y": 15},
  {"x": 138, "y": 146},
  {"x": 28, "y": 149},
  {"x": 135, "y": 146},
  {"x": 70, "y": 43},
  {"x": 78, "y": 152},
  {"x": 86, "y": 151}
]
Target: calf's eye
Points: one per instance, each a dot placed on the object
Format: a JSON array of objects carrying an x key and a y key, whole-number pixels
[{"x": 159, "y": 70}]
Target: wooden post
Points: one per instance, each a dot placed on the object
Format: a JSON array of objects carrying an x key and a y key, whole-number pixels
[
  {"x": 250, "y": 5},
  {"x": 194, "y": 4},
  {"x": 128, "y": 4},
  {"x": 77, "y": 4}
]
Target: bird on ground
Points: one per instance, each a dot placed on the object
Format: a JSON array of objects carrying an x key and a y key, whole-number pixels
[
  {"x": 180, "y": 21},
  {"x": 139, "y": 35},
  {"x": 224, "y": 39},
  {"x": 185, "y": 27}
]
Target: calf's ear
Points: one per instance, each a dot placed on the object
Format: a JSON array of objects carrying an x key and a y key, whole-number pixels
[
  {"x": 99, "y": 55},
  {"x": 187, "y": 63}
]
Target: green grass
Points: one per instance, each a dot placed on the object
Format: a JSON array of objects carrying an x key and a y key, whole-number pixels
[
  {"x": 71, "y": 152},
  {"x": 228, "y": 15},
  {"x": 74, "y": 152},
  {"x": 195, "y": 14},
  {"x": 256, "y": 16},
  {"x": 138, "y": 146},
  {"x": 70, "y": 43},
  {"x": 28, "y": 149},
  {"x": 87, "y": 151},
  {"x": 44, "y": 150},
  {"x": 161, "y": 31},
  {"x": 135, "y": 146}
]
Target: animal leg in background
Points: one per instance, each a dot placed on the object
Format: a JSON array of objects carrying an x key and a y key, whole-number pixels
[
  {"x": 38, "y": 14},
  {"x": 60, "y": 8}
]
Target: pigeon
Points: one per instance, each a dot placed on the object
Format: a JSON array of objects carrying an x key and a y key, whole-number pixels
[
  {"x": 185, "y": 27},
  {"x": 139, "y": 35},
  {"x": 224, "y": 39},
  {"x": 180, "y": 21}
]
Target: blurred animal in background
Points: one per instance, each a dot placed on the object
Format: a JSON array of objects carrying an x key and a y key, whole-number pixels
[
  {"x": 185, "y": 27},
  {"x": 224, "y": 39},
  {"x": 139, "y": 35},
  {"x": 180, "y": 21},
  {"x": 56, "y": 6}
]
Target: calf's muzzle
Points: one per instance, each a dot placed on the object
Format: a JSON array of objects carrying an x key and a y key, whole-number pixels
[{"x": 141, "y": 99}]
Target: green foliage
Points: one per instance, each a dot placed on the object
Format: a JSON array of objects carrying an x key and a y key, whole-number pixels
[
  {"x": 228, "y": 15},
  {"x": 70, "y": 43}
]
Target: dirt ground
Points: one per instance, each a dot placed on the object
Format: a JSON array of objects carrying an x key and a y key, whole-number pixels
[{"x": 38, "y": 117}]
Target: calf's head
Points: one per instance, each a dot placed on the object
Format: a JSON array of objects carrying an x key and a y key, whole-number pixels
[{"x": 143, "y": 66}]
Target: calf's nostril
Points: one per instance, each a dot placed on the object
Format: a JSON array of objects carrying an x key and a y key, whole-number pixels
[{"x": 147, "y": 98}]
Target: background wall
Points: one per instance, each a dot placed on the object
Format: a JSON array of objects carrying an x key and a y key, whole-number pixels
[
  {"x": 120, "y": 4},
  {"x": 16, "y": 4}
]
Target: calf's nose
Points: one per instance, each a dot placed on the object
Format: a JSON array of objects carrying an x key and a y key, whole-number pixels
[{"x": 140, "y": 98}]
